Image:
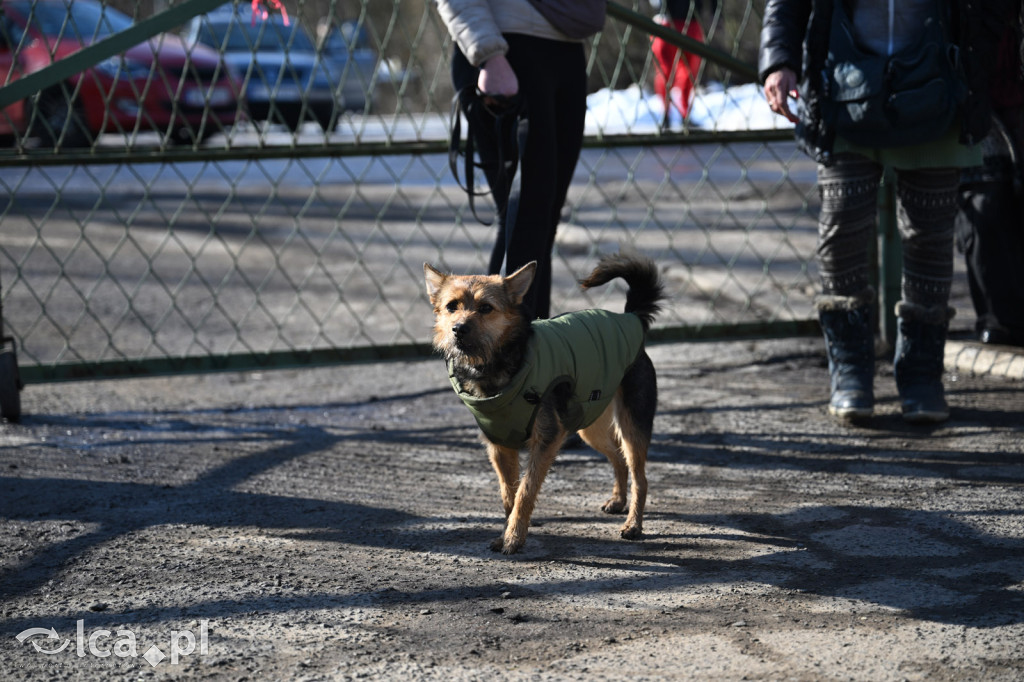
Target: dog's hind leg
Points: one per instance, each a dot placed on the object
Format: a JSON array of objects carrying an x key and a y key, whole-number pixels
[
  {"x": 634, "y": 423},
  {"x": 601, "y": 436},
  {"x": 634, "y": 447}
]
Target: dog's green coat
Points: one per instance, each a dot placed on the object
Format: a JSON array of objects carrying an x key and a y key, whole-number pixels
[{"x": 590, "y": 350}]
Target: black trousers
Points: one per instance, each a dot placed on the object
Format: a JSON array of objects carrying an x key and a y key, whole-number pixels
[
  {"x": 990, "y": 233},
  {"x": 553, "y": 87}
]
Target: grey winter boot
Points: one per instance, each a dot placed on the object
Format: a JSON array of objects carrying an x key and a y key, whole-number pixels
[
  {"x": 850, "y": 344},
  {"x": 918, "y": 365}
]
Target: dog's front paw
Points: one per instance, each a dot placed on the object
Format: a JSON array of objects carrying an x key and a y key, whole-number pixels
[
  {"x": 507, "y": 545},
  {"x": 512, "y": 547},
  {"x": 614, "y": 505},
  {"x": 634, "y": 532}
]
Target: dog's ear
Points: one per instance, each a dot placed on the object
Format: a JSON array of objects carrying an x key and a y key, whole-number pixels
[
  {"x": 435, "y": 280},
  {"x": 518, "y": 283}
]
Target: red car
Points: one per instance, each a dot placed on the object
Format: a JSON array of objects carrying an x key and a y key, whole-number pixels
[{"x": 185, "y": 93}]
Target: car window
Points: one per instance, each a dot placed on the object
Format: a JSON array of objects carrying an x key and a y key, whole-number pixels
[
  {"x": 263, "y": 36},
  {"x": 75, "y": 20},
  {"x": 334, "y": 42}
]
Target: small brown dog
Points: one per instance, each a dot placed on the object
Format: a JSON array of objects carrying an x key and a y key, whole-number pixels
[{"x": 533, "y": 384}]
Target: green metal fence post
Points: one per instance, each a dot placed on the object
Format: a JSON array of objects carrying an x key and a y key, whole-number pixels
[{"x": 891, "y": 257}]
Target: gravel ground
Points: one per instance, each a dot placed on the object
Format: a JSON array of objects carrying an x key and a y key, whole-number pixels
[{"x": 333, "y": 524}]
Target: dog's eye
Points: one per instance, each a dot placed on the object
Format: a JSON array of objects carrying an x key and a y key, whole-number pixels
[
  {"x": 452, "y": 306},
  {"x": 485, "y": 308}
]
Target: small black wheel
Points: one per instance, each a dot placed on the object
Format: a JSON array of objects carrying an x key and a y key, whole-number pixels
[
  {"x": 57, "y": 118},
  {"x": 325, "y": 118},
  {"x": 10, "y": 386},
  {"x": 284, "y": 114},
  {"x": 188, "y": 136}
]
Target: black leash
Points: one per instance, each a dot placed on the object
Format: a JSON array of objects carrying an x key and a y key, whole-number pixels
[
  {"x": 515, "y": 187},
  {"x": 500, "y": 108},
  {"x": 454, "y": 140}
]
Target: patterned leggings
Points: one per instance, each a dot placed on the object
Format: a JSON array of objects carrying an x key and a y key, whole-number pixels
[{"x": 848, "y": 222}]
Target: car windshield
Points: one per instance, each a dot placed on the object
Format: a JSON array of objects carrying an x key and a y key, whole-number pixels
[
  {"x": 82, "y": 21},
  {"x": 335, "y": 42},
  {"x": 263, "y": 36}
]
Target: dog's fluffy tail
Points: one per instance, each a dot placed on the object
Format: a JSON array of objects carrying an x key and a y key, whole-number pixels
[{"x": 641, "y": 274}]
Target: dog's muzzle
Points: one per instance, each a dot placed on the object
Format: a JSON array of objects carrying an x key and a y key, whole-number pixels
[{"x": 463, "y": 337}]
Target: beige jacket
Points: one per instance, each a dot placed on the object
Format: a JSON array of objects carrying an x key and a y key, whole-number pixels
[{"x": 476, "y": 25}]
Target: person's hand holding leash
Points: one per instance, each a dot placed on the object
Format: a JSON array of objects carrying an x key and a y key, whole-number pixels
[{"x": 497, "y": 82}]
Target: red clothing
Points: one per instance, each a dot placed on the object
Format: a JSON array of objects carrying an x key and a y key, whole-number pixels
[{"x": 675, "y": 75}]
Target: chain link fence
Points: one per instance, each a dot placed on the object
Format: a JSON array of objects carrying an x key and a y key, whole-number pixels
[{"x": 181, "y": 197}]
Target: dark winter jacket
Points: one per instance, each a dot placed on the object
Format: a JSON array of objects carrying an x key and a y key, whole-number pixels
[{"x": 795, "y": 34}]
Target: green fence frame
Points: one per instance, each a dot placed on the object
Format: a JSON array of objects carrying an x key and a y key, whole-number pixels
[{"x": 236, "y": 362}]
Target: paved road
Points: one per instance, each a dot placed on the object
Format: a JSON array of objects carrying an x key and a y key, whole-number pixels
[{"x": 333, "y": 524}]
